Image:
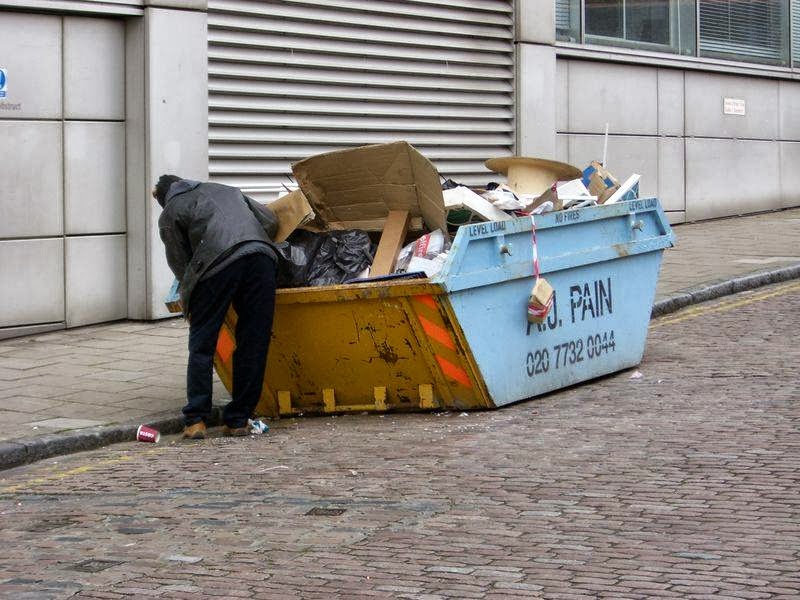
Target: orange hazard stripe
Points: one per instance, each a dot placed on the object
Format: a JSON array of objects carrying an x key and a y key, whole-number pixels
[
  {"x": 454, "y": 372},
  {"x": 225, "y": 345},
  {"x": 426, "y": 300},
  {"x": 437, "y": 333}
]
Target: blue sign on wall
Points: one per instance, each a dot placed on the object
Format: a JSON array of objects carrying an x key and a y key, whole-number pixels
[{"x": 3, "y": 82}]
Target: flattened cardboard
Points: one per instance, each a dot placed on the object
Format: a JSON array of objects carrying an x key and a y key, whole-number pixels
[
  {"x": 549, "y": 195},
  {"x": 363, "y": 184},
  {"x": 416, "y": 224}
]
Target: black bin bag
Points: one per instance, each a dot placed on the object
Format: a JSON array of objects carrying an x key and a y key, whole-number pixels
[{"x": 330, "y": 258}]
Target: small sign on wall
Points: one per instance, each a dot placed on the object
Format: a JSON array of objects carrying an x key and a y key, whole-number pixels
[
  {"x": 734, "y": 106},
  {"x": 3, "y": 82}
]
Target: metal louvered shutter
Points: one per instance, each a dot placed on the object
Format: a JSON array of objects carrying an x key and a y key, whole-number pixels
[
  {"x": 293, "y": 78},
  {"x": 746, "y": 29}
]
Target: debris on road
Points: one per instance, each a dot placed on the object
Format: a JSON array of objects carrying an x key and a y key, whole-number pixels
[
  {"x": 146, "y": 433},
  {"x": 257, "y": 426},
  {"x": 183, "y": 559}
]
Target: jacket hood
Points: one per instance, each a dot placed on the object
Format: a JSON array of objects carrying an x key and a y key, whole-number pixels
[{"x": 179, "y": 187}]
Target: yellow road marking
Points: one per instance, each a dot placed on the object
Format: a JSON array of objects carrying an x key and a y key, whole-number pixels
[
  {"x": 691, "y": 313},
  {"x": 60, "y": 475}
]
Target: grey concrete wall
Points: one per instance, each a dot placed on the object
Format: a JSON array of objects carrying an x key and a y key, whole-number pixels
[
  {"x": 176, "y": 121},
  {"x": 96, "y": 109},
  {"x": 536, "y": 100},
  {"x": 62, "y": 140},
  {"x": 167, "y": 113},
  {"x": 669, "y": 126},
  {"x": 537, "y": 96}
]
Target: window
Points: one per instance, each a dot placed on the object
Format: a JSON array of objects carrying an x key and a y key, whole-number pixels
[
  {"x": 763, "y": 31},
  {"x": 661, "y": 25},
  {"x": 568, "y": 20},
  {"x": 632, "y": 20},
  {"x": 753, "y": 30}
]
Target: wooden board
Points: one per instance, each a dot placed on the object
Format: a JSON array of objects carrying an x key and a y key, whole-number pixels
[{"x": 394, "y": 233}]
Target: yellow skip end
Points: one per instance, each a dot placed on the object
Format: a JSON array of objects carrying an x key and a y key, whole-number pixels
[
  {"x": 284, "y": 402},
  {"x": 426, "y": 399},
  {"x": 328, "y": 400},
  {"x": 379, "y": 394}
]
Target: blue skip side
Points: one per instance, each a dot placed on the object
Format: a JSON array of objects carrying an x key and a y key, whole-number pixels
[{"x": 603, "y": 264}]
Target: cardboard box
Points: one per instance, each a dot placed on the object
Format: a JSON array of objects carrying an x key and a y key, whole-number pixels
[
  {"x": 292, "y": 211},
  {"x": 599, "y": 181},
  {"x": 606, "y": 194},
  {"x": 357, "y": 188},
  {"x": 540, "y": 301},
  {"x": 629, "y": 190}
]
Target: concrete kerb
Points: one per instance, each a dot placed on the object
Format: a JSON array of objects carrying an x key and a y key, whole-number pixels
[
  {"x": 15, "y": 453},
  {"x": 19, "y": 452},
  {"x": 724, "y": 288}
]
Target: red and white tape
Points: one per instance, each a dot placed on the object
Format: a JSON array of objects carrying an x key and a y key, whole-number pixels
[
  {"x": 534, "y": 311},
  {"x": 535, "y": 251}
]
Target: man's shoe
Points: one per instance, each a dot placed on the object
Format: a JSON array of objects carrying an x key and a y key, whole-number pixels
[
  {"x": 235, "y": 431},
  {"x": 195, "y": 432}
]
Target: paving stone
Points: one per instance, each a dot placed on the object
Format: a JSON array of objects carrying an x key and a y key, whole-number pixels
[
  {"x": 27, "y": 390},
  {"x": 63, "y": 423}
]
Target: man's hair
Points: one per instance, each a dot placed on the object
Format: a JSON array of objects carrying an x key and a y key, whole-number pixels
[{"x": 162, "y": 187}]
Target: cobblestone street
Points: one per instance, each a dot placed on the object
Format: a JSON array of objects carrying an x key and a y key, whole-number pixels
[{"x": 677, "y": 479}]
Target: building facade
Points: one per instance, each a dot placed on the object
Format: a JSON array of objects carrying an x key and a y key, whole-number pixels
[
  {"x": 98, "y": 97},
  {"x": 700, "y": 96}
]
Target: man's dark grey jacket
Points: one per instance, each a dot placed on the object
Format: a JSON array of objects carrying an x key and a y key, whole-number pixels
[{"x": 206, "y": 226}]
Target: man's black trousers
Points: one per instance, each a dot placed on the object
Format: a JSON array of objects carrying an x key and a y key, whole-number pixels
[{"x": 248, "y": 283}]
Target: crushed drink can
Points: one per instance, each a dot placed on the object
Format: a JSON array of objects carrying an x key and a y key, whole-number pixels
[
  {"x": 147, "y": 434},
  {"x": 257, "y": 426}
]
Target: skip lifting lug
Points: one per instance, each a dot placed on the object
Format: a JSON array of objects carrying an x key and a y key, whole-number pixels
[
  {"x": 637, "y": 225},
  {"x": 502, "y": 246}
]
